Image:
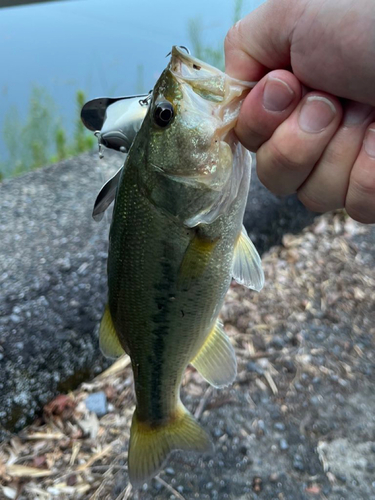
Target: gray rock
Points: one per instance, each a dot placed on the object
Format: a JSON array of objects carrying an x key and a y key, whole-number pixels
[
  {"x": 97, "y": 402},
  {"x": 49, "y": 312},
  {"x": 283, "y": 443}
]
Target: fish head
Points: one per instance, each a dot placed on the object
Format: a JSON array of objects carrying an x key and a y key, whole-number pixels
[{"x": 189, "y": 125}]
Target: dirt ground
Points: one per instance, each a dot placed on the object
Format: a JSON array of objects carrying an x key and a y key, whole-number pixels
[{"x": 299, "y": 422}]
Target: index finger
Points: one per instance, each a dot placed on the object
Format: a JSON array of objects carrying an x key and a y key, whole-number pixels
[{"x": 261, "y": 40}]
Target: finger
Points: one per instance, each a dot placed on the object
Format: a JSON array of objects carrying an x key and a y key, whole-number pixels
[
  {"x": 329, "y": 45},
  {"x": 326, "y": 187},
  {"x": 261, "y": 40},
  {"x": 360, "y": 200},
  {"x": 286, "y": 160},
  {"x": 270, "y": 102}
]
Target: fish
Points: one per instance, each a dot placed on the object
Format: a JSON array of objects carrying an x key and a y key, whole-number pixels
[{"x": 176, "y": 241}]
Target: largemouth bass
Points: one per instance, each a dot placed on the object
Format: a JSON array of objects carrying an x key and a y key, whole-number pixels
[{"x": 176, "y": 241}]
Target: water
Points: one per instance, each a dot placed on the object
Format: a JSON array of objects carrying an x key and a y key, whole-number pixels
[{"x": 96, "y": 46}]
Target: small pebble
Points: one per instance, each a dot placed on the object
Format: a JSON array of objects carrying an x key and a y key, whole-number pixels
[
  {"x": 283, "y": 444},
  {"x": 254, "y": 367},
  {"x": 298, "y": 463},
  {"x": 279, "y": 426},
  {"x": 170, "y": 471},
  {"x": 97, "y": 403},
  {"x": 14, "y": 318}
]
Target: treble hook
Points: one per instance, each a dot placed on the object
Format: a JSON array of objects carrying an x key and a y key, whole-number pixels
[
  {"x": 100, "y": 146},
  {"x": 180, "y": 47},
  {"x": 146, "y": 100}
]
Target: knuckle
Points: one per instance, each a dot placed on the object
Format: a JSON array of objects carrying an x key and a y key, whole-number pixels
[
  {"x": 232, "y": 37},
  {"x": 251, "y": 138},
  {"x": 281, "y": 159},
  {"x": 360, "y": 213},
  {"x": 360, "y": 203},
  {"x": 365, "y": 185},
  {"x": 311, "y": 201}
]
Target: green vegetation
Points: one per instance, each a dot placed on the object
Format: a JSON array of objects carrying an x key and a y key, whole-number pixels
[
  {"x": 208, "y": 53},
  {"x": 41, "y": 139}
]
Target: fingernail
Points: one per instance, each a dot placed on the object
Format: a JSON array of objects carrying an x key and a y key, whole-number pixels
[
  {"x": 277, "y": 95},
  {"x": 356, "y": 113},
  {"x": 316, "y": 114},
  {"x": 369, "y": 142}
]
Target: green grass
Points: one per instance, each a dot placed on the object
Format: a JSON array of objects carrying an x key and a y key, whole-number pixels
[{"x": 41, "y": 138}]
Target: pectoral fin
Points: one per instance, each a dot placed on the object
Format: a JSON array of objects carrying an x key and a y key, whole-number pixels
[
  {"x": 195, "y": 260},
  {"x": 108, "y": 339},
  {"x": 216, "y": 361},
  {"x": 247, "y": 266}
]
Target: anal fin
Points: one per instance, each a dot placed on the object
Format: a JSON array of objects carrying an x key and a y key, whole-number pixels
[
  {"x": 247, "y": 265},
  {"x": 216, "y": 361},
  {"x": 108, "y": 339}
]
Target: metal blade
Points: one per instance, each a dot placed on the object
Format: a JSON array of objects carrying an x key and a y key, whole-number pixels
[{"x": 106, "y": 196}]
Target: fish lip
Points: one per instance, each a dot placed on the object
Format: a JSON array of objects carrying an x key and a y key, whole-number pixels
[
  {"x": 177, "y": 53},
  {"x": 183, "y": 57}
]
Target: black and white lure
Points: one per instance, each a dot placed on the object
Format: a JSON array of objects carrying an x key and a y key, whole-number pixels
[{"x": 115, "y": 122}]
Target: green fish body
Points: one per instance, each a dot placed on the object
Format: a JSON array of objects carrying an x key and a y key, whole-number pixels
[{"x": 176, "y": 241}]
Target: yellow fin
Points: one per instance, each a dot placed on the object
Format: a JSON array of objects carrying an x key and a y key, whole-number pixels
[
  {"x": 195, "y": 260},
  {"x": 108, "y": 339},
  {"x": 149, "y": 446},
  {"x": 247, "y": 266},
  {"x": 216, "y": 361}
]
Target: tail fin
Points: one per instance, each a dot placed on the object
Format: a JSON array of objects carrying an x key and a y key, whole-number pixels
[{"x": 149, "y": 447}]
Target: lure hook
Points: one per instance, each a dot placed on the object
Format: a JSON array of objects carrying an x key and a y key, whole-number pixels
[
  {"x": 180, "y": 47},
  {"x": 146, "y": 100}
]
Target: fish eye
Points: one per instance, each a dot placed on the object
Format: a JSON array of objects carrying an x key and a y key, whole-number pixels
[{"x": 163, "y": 114}]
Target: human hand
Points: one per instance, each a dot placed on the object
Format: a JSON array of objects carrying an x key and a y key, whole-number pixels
[{"x": 311, "y": 123}]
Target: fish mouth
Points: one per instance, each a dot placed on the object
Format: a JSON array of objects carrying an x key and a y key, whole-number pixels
[
  {"x": 183, "y": 64},
  {"x": 206, "y": 80}
]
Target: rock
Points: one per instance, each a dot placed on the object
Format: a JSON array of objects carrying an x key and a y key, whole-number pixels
[
  {"x": 49, "y": 312},
  {"x": 283, "y": 443},
  {"x": 251, "y": 366},
  {"x": 279, "y": 426},
  {"x": 298, "y": 463},
  {"x": 97, "y": 403}
]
